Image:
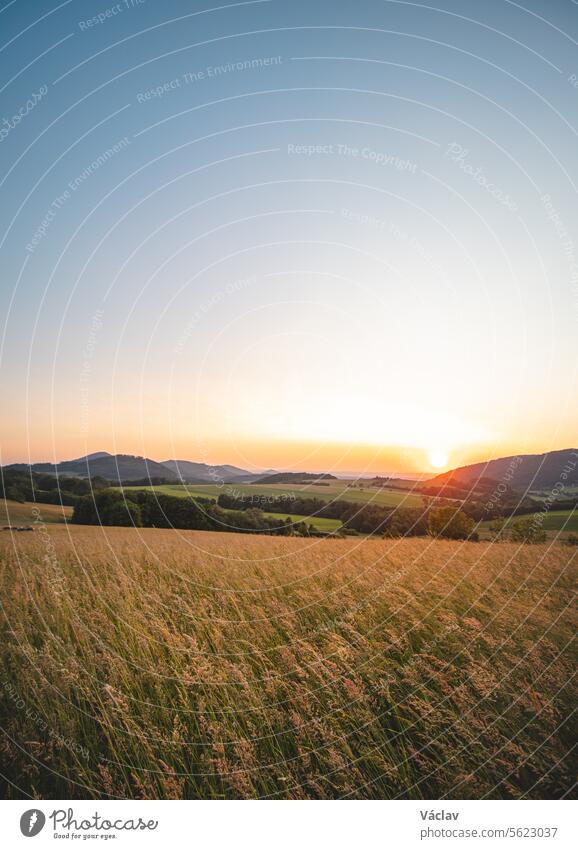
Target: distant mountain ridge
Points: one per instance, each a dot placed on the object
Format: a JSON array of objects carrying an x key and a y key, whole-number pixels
[
  {"x": 189, "y": 471},
  {"x": 520, "y": 472},
  {"x": 294, "y": 477},
  {"x": 128, "y": 467},
  {"x": 113, "y": 467}
]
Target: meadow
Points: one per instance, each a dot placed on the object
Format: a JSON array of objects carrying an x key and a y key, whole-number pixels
[
  {"x": 15, "y": 513},
  {"x": 336, "y": 490},
  {"x": 557, "y": 523},
  {"x": 181, "y": 664},
  {"x": 317, "y": 521}
]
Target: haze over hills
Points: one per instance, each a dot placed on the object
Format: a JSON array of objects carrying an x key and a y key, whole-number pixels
[{"x": 521, "y": 472}]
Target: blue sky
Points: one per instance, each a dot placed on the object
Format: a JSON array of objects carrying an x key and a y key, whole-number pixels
[{"x": 299, "y": 235}]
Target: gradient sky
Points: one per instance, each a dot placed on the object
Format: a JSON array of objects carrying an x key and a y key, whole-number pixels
[{"x": 356, "y": 253}]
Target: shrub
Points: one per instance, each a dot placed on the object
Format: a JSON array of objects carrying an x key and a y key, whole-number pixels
[
  {"x": 528, "y": 530},
  {"x": 14, "y": 494},
  {"x": 124, "y": 514},
  {"x": 497, "y": 529}
]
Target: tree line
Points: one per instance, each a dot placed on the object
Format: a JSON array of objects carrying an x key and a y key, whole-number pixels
[
  {"x": 142, "y": 509},
  {"x": 362, "y": 518},
  {"x": 22, "y": 486}
]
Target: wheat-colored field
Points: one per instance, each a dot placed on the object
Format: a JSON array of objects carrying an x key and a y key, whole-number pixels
[
  {"x": 14, "y": 513},
  {"x": 168, "y": 664}
]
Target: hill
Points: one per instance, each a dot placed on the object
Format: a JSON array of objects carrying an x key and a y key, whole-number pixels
[
  {"x": 294, "y": 477},
  {"x": 190, "y": 472},
  {"x": 127, "y": 467},
  {"x": 113, "y": 467},
  {"x": 535, "y": 472}
]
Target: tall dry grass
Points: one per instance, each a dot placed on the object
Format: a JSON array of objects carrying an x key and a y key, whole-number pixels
[{"x": 165, "y": 664}]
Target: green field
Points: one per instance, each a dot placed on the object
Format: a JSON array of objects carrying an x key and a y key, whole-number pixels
[
  {"x": 555, "y": 521},
  {"x": 320, "y": 523},
  {"x": 337, "y": 490}
]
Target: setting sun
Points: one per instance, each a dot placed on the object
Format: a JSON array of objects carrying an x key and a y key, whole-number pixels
[{"x": 438, "y": 458}]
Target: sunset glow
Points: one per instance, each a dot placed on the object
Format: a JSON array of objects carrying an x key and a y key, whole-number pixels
[
  {"x": 283, "y": 280},
  {"x": 439, "y": 458}
]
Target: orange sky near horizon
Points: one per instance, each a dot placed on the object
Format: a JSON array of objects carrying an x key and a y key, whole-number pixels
[
  {"x": 325, "y": 264},
  {"x": 286, "y": 455}
]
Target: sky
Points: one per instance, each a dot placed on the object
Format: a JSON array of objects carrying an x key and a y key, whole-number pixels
[{"x": 309, "y": 235}]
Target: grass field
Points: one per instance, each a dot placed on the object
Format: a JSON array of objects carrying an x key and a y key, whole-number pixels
[
  {"x": 320, "y": 523},
  {"x": 336, "y": 490},
  {"x": 167, "y": 664},
  {"x": 14, "y": 513},
  {"x": 556, "y": 522}
]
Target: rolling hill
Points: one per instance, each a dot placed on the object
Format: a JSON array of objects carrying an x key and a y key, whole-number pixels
[
  {"x": 535, "y": 472},
  {"x": 113, "y": 467},
  {"x": 127, "y": 467},
  {"x": 520, "y": 473},
  {"x": 191, "y": 472},
  {"x": 294, "y": 477}
]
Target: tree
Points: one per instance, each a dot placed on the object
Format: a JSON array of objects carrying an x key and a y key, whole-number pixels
[
  {"x": 124, "y": 514},
  {"x": 528, "y": 530},
  {"x": 107, "y": 507},
  {"x": 15, "y": 494},
  {"x": 449, "y": 523}
]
